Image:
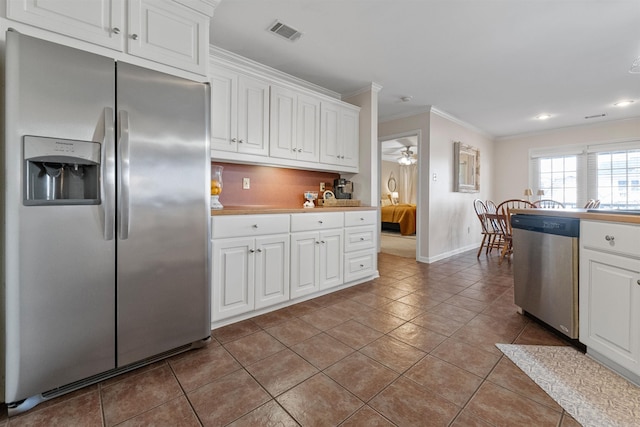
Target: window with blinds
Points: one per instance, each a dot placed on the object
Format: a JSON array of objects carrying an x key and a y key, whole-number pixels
[{"x": 572, "y": 175}]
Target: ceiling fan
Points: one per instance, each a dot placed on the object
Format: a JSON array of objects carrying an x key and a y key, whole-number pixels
[{"x": 407, "y": 157}]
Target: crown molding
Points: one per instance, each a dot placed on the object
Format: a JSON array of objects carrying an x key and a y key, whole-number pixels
[
  {"x": 426, "y": 109},
  {"x": 563, "y": 128},
  {"x": 373, "y": 87},
  {"x": 207, "y": 7},
  {"x": 219, "y": 56},
  {"x": 461, "y": 122}
]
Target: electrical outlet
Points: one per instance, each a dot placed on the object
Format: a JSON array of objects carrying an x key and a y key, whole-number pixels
[
  {"x": 322, "y": 186},
  {"x": 246, "y": 183}
]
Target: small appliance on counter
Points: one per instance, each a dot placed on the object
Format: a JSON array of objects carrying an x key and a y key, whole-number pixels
[{"x": 342, "y": 188}]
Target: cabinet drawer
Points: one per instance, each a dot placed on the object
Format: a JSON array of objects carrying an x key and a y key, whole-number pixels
[
  {"x": 248, "y": 225},
  {"x": 611, "y": 237},
  {"x": 359, "y": 264},
  {"x": 316, "y": 221},
  {"x": 360, "y": 218},
  {"x": 358, "y": 238}
]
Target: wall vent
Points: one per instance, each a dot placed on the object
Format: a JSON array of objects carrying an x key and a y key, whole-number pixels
[{"x": 285, "y": 31}]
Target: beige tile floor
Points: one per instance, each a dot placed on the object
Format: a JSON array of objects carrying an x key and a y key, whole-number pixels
[{"x": 412, "y": 348}]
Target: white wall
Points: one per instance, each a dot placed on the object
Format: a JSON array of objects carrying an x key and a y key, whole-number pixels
[
  {"x": 453, "y": 224},
  {"x": 511, "y": 174},
  {"x": 366, "y": 181}
]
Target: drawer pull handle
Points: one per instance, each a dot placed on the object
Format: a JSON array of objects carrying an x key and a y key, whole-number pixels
[{"x": 609, "y": 238}]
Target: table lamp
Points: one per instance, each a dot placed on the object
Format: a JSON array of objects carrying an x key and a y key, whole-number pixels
[{"x": 528, "y": 192}]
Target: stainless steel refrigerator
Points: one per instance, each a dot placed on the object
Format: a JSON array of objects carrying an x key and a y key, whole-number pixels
[{"x": 106, "y": 218}]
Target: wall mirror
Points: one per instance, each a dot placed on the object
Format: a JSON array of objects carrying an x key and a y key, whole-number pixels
[
  {"x": 466, "y": 168},
  {"x": 391, "y": 183}
]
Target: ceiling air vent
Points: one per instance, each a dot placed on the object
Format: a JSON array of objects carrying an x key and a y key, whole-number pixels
[{"x": 285, "y": 31}]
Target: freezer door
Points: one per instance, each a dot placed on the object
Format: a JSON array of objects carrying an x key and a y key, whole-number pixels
[
  {"x": 59, "y": 261},
  {"x": 163, "y": 213}
]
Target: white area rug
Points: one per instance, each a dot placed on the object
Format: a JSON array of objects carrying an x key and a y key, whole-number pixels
[{"x": 593, "y": 394}]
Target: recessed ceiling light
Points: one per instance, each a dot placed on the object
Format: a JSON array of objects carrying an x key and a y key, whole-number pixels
[
  {"x": 544, "y": 116},
  {"x": 623, "y": 103}
]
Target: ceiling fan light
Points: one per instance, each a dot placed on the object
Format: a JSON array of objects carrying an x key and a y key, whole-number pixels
[{"x": 544, "y": 116}]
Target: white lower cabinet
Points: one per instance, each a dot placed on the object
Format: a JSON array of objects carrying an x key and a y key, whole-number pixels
[
  {"x": 360, "y": 256},
  {"x": 249, "y": 272},
  {"x": 260, "y": 261},
  {"x": 316, "y": 252},
  {"x": 610, "y": 292}
]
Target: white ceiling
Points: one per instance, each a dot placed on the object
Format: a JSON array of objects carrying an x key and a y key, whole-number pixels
[{"x": 494, "y": 64}]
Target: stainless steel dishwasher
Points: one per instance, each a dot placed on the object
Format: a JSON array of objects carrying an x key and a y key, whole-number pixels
[{"x": 545, "y": 268}]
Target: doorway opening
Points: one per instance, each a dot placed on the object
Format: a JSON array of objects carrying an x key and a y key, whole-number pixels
[{"x": 399, "y": 189}]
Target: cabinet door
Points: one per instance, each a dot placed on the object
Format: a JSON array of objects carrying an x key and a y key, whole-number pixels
[
  {"x": 331, "y": 260},
  {"x": 224, "y": 108},
  {"x": 329, "y": 133},
  {"x": 253, "y": 116},
  {"x": 610, "y": 307},
  {"x": 308, "y": 128},
  {"x": 349, "y": 132},
  {"x": 99, "y": 22},
  {"x": 232, "y": 276},
  {"x": 271, "y": 270},
  {"x": 282, "y": 142},
  {"x": 169, "y": 33},
  {"x": 304, "y": 263}
]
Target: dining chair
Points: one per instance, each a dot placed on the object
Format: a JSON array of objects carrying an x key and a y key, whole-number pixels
[
  {"x": 491, "y": 235},
  {"x": 548, "y": 204},
  {"x": 503, "y": 219}
]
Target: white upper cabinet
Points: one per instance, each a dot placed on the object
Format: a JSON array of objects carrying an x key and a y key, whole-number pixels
[
  {"x": 339, "y": 135},
  {"x": 169, "y": 33},
  {"x": 239, "y": 113},
  {"x": 163, "y": 31},
  {"x": 295, "y": 125},
  {"x": 99, "y": 22}
]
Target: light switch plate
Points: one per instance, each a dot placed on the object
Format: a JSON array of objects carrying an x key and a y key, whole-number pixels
[{"x": 246, "y": 183}]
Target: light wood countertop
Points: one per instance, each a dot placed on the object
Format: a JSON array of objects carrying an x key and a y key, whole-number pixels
[
  {"x": 258, "y": 210},
  {"x": 604, "y": 215}
]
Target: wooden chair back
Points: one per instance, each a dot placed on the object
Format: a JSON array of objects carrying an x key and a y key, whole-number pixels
[{"x": 548, "y": 204}]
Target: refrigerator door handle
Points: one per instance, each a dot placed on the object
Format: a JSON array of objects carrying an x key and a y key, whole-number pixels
[
  {"x": 123, "y": 182},
  {"x": 108, "y": 174}
]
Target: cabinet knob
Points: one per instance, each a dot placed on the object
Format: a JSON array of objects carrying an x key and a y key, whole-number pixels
[
  {"x": 134, "y": 36},
  {"x": 251, "y": 251},
  {"x": 638, "y": 281},
  {"x": 320, "y": 222},
  {"x": 317, "y": 243},
  {"x": 240, "y": 141},
  {"x": 361, "y": 265},
  {"x": 322, "y": 241},
  {"x": 299, "y": 150},
  {"x": 361, "y": 239},
  {"x": 115, "y": 30},
  {"x": 609, "y": 238},
  {"x": 255, "y": 225},
  {"x": 361, "y": 219},
  {"x": 259, "y": 250},
  {"x": 234, "y": 140}
]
